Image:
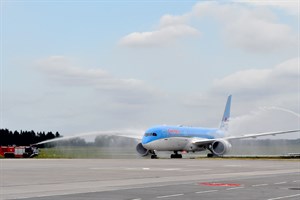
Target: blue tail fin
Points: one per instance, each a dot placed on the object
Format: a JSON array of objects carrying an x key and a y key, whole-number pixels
[{"x": 226, "y": 115}]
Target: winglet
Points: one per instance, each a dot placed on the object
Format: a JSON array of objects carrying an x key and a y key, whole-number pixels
[{"x": 226, "y": 115}]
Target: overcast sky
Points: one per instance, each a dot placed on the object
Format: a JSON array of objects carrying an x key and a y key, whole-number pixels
[{"x": 79, "y": 66}]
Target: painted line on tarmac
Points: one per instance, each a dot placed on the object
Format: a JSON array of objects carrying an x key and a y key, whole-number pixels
[
  {"x": 279, "y": 183},
  {"x": 207, "y": 191},
  {"x": 284, "y": 197},
  {"x": 195, "y": 170},
  {"x": 154, "y": 169},
  {"x": 264, "y": 184},
  {"x": 171, "y": 169},
  {"x": 235, "y": 188},
  {"x": 167, "y": 196},
  {"x": 233, "y": 165}
]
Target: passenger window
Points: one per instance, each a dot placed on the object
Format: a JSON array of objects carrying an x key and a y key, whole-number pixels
[{"x": 154, "y": 134}]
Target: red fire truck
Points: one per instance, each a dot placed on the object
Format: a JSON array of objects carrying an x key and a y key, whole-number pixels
[{"x": 18, "y": 151}]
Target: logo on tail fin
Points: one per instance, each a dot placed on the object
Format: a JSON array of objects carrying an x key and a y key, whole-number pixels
[{"x": 226, "y": 115}]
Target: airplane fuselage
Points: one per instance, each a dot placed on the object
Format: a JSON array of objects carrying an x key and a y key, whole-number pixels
[{"x": 177, "y": 138}]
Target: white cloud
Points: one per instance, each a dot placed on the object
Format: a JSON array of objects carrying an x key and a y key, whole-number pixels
[
  {"x": 163, "y": 36},
  {"x": 170, "y": 29},
  {"x": 61, "y": 69},
  {"x": 282, "y": 79},
  {"x": 270, "y": 37},
  {"x": 128, "y": 91},
  {"x": 253, "y": 29},
  {"x": 290, "y": 6},
  {"x": 172, "y": 20}
]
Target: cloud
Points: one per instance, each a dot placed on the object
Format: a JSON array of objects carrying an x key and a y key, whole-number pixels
[
  {"x": 249, "y": 28},
  {"x": 170, "y": 29},
  {"x": 163, "y": 36},
  {"x": 290, "y": 6},
  {"x": 252, "y": 29},
  {"x": 280, "y": 80},
  {"x": 172, "y": 20},
  {"x": 256, "y": 35},
  {"x": 61, "y": 70}
]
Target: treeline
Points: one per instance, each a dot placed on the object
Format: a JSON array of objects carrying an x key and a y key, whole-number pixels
[{"x": 24, "y": 138}]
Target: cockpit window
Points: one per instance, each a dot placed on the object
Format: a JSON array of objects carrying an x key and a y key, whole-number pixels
[{"x": 150, "y": 134}]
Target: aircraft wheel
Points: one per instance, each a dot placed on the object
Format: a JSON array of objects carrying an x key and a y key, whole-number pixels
[
  {"x": 153, "y": 156},
  {"x": 210, "y": 155},
  {"x": 176, "y": 156}
]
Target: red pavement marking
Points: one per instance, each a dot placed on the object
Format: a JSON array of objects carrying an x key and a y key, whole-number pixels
[{"x": 221, "y": 184}]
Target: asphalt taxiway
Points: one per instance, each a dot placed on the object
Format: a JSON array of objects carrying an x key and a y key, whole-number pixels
[{"x": 139, "y": 179}]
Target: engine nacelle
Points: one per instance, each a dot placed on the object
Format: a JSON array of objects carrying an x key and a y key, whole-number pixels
[
  {"x": 142, "y": 150},
  {"x": 220, "y": 147}
]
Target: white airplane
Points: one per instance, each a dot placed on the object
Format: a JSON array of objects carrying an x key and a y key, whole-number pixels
[{"x": 192, "y": 139}]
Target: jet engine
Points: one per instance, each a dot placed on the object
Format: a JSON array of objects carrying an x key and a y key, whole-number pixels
[
  {"x": 220, "y": 147},
  {"x": 142, "y": 150}
]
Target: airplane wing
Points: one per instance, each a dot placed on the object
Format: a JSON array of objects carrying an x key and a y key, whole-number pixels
[
  {"x": 255, "y": 135},
  {"x": 204, "y": 141}
]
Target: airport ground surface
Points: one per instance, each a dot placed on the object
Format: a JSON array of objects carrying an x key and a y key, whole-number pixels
[{"x": 89, "y": 179}]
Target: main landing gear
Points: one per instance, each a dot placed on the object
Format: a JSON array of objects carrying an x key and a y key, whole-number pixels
[
  {"x": 176, "y": 155},
  {"x": 211, "y": 154},
  {"x": 153, "y": 155}
]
